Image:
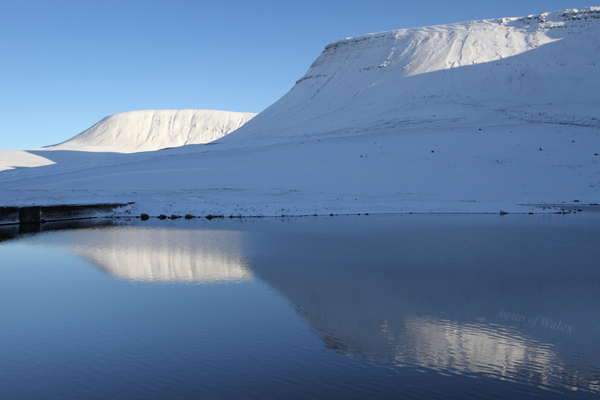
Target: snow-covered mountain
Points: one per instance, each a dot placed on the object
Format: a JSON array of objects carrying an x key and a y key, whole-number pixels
[
  {"x": 541, "y": 68},
  {"x": 148, "y": 130},
  {"x": 132, "y": 132},
  {"x": 482, "y": 116}
]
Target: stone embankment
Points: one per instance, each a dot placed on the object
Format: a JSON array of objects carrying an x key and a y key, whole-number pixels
[{"x": 35, "y": 215}]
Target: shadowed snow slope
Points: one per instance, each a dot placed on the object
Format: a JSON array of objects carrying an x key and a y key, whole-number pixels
[
  {"x": 155, "y": 129},
  {"x": 471, "y": 117}
]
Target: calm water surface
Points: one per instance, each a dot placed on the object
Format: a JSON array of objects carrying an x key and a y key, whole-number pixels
[{"x": 349, "y": 307}]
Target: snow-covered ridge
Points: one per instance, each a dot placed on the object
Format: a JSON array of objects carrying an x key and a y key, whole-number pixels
[
  {"x": 423, "y": 36},
  {"x": 556, "y": 16},
  {"x": 155, "y": 129},
  {"x": 469, "y": 72},
  {"x": 131, "y": 132}
]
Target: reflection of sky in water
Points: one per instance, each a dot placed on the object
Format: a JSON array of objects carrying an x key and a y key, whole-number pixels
[{"x": 423, "y": 293}]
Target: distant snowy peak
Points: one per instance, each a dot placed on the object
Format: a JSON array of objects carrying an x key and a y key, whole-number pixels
[
  {"x": 155, "y": 129},
  {"x": 542, "y": 68}
]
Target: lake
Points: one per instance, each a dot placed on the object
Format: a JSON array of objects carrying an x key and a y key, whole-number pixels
[{"x": 386, "y": 306}]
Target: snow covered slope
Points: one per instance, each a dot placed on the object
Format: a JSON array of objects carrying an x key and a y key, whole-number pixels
[
  {"x": 155, "y": 129},
  {"x": 131, "y": 132},
  {"x": 10, "y": 159},
  {"x": 480, "y": 116},
  {"x": 540, "y": 68}
]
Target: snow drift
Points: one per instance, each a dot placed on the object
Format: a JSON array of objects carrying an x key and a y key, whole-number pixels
[{"x": 155, "y": 129}]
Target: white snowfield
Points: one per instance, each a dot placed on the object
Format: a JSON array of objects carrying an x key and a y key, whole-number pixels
[
  {"x": 131, "y": 132},
  {"x": 483, "y": 116}
]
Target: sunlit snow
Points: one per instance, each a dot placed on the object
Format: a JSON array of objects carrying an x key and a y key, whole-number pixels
[{"x": 483, "y": 116}]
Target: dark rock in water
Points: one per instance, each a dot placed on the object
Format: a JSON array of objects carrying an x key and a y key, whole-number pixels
[
  {"x": 144, "y": 217},
  {"x": 189, "y": 216},
  {"x": 209, "y": 217},
  {"x": 173, "y": 216},
  {"x": 162, "y": 216}
]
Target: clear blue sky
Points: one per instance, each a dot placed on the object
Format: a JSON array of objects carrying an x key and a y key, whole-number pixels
[{"x": 66, "y": 64}]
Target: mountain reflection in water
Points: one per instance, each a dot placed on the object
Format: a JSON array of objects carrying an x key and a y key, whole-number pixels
[
  {"x": 463, "y": 297},
  {"x": 163, "y": 255},
  {"x": 435, "y": 293},
  {"x": 170, "y": 255}
]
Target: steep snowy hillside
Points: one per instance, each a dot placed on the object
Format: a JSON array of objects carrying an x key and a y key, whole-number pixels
[
  {"x": 132, "y": 132},
  {"x": 484, "y": 116},
  {"x": 542, "y": 68},
  {"x": 155, "y": 129}
]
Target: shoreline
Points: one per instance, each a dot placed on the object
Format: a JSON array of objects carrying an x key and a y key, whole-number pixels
[{"x": 40, "y": 214}]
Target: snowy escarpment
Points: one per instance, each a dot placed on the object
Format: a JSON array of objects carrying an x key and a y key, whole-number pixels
[
  {"x": 132, "y": 132},
  {"x": 482, "y": 116},
  {"x": 540, "y": 68},
  {"x": 148, "y": 130}
]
